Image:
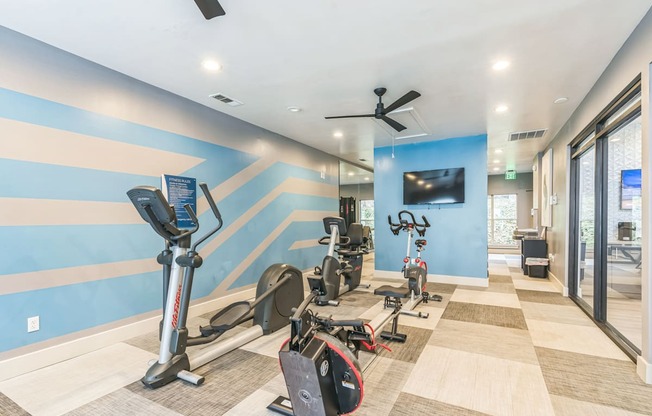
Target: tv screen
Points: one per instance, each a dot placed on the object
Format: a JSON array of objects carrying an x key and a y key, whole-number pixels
[
  {"x": 441, "y": 186},
  {"x": 630, "y": 187}
]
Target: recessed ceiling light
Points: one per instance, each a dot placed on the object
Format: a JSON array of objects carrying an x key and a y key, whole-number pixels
[
  {"x": 498, "y": 151},
  {"x": 496, "y": 169},
  {"x": 496, "y": 161},
  {"x": 350, "y": 173},
  {"x": 501, "y": 108},
  {"x": 338, "y": 134},
  {"x": 294, "y": 109},
  {"x": 560, "y": 100},
  {"x": 500, "y": 65},
  {"x": 366, "y": 178},
  {"x": 211, "y": 65}
]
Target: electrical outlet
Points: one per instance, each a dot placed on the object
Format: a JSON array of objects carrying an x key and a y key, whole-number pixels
[
  {"x": 33, "y": 324},
  {"x": 551, "y": 257}
]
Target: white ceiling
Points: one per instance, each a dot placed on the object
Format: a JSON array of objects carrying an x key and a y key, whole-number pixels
[{"x": 327, "y": 56}]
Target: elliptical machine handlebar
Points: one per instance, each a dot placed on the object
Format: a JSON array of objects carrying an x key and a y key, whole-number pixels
[{"x": 216, "y": 213}]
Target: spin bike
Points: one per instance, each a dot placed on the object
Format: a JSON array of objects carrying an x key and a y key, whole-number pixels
[
  {"x": 279, "y": 291},
  {"x": 416, "y": 274},
  {"x": 348, "y": 244}
]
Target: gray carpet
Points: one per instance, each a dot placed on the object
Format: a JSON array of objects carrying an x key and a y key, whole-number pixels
[
  {"x": 122, "y": 402},
  {"x": 417, "y": 338},
  {"x": 543, "y": 297},
  {"x": 499, "y": 278},
  {"x": 485, "y": 314},
  {"x": 595, "y": 379},
  {"x": 229, "y": 381},
  {"x": 411, "y": 405},
  {"x": 361, "y": 299},
  {"x": 8, "y": 407}
]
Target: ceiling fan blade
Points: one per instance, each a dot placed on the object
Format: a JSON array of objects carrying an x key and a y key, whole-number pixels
[
  {"x": 412, "y": 95},
  {"x": 210, "y": 8},
  {"x": 395, "y": 124},
  {"x": 361, "y": 115}
]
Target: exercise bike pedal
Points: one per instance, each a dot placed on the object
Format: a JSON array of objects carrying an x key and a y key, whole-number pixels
[{"x": 436, "y": 298}]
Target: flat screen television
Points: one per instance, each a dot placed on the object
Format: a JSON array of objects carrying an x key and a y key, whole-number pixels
[
  {"x": 440, "y": 186},
  {"x": 630, "y": 187}
]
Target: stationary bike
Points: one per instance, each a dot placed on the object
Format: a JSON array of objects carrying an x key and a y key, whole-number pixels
[
  {"x": 347, "y": 243},
  {"x": 415, "y": 271},
  {"x": 279, "y": 290}
]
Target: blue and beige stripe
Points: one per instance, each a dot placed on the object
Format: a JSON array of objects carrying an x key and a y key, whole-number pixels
[{"x": 80, "y": 257}]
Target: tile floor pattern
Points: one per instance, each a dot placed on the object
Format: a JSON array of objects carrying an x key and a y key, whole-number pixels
[{"x": 514, "y": 348}]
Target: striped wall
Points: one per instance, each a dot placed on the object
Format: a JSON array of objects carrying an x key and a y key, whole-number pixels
[{"x": 74, "y": 137}]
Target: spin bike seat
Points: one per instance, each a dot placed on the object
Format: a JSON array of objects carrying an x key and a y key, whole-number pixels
[{"x": 393, "y": 292}]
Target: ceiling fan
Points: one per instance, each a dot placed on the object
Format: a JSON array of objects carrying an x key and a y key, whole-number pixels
[
  {"x": 381, "y": 112},
  {"x": 210, "y": 8}
]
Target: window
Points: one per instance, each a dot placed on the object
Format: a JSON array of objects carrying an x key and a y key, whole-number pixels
[
  {"x": 367, "y": 215},
  {"x": 502, "y": 220}
]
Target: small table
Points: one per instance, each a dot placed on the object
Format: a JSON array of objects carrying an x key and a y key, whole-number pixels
[{"x": 631, "y": 250}]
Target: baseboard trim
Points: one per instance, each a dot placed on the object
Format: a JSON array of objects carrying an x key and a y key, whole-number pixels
[
  {"x": 438, "y": 278},
  {"x": 558, "y": 284},
  {"x": 53, "y": 352},
  {"x": 644, "y": 370}
]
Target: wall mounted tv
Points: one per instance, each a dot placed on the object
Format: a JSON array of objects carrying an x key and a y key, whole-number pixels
[{"x": 441, "y": 186}]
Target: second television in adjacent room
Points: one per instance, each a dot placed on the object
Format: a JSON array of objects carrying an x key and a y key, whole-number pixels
[{"x": 440, "y": 186}]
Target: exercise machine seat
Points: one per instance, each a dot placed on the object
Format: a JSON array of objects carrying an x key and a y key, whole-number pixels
[
  {"x": 393, "y": 292},
  {"x": 354, "y": 233}
]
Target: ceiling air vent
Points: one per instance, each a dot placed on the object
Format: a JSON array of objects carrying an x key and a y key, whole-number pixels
[
  {"x": 523, "y": 135},
  {"x": 226, "y": 100}
]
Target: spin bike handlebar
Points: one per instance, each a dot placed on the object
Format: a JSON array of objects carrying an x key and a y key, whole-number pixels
[{"x": 406, "y": 224}]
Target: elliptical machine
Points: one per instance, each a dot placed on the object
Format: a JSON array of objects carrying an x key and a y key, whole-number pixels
[
  {"x": 347, "y": 243},
  {"x": 179, "y": 260}
]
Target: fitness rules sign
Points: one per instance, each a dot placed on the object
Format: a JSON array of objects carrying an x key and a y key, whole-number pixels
[{"x": 179, "y": 191}]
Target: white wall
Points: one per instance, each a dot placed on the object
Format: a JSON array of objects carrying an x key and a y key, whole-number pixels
[{"x": 633, "y": 59}]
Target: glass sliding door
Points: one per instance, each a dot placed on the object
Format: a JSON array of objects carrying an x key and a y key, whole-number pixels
[
  {"x": 606, "y": 220},
  {"x": 623, "y": 229},
  {"x": 585, "y": 249}
]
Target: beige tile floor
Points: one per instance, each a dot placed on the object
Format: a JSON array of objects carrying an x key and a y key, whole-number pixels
[{"x": 514, "y": 348}]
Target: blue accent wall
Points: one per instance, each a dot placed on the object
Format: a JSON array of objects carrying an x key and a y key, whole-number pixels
[
  {"x": 62, "y": 269},
  {"x": 457, "y": 238}
]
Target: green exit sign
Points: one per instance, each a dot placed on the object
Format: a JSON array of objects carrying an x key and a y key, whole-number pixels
[{"x": 510, "y": 175}]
